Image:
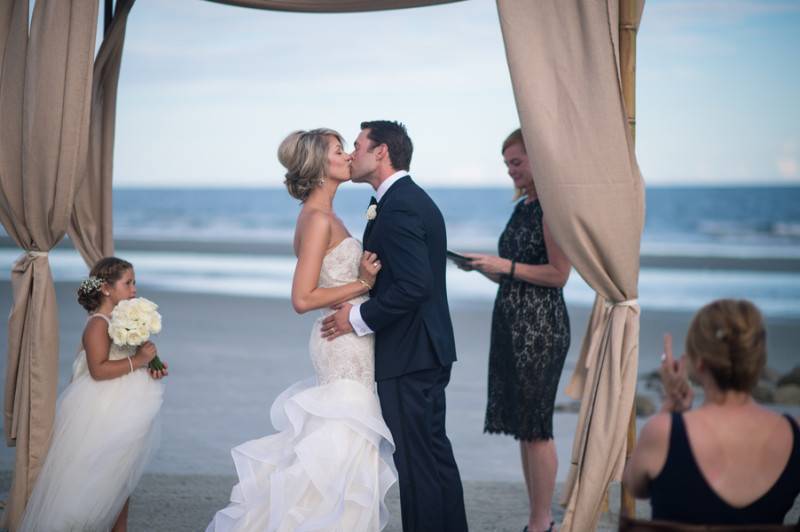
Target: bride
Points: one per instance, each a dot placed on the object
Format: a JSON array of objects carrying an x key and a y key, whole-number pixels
[{"x": 329, "y": 465}]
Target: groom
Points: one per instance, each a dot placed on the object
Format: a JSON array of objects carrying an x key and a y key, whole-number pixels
[{"x": 408, "y": 312}]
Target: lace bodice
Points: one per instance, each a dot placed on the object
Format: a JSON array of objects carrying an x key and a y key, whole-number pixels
[
  {"x": 349, "y": 356},
  {"x": 340, "y": 265}
]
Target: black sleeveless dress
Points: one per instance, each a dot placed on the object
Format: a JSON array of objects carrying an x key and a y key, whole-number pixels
[
  {"x": 680, "y": 491},
  {"x": 530, "y": 337}
]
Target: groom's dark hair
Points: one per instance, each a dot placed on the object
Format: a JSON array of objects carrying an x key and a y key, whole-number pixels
[{"x": 394, "y": 135}]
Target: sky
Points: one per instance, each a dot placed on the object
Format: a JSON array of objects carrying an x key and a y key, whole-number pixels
[{"x": 208, "y": 91}]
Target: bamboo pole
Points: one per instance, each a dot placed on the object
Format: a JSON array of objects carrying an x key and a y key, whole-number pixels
[
  {"x": 108, "y": 16},
  {"x": 628, "y": 26},
  {"x": 628, "y": 14}
]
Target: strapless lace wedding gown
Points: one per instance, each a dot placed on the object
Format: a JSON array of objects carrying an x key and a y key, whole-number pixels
[{"x": 329, "y": 465}]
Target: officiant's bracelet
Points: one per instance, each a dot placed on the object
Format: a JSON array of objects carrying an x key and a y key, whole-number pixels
[
  {"x": 362, "y": 281},
  {"x": 511, "y": 273}
]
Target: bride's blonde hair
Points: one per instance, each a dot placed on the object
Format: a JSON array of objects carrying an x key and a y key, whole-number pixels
[{"x": 304, "y": 154}]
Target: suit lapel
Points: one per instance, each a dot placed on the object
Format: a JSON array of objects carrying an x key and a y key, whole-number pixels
[
  {"x": 400, "y": 183},
  {"x": 370, "y": 223},
  {"x": 368, "y": 231}
]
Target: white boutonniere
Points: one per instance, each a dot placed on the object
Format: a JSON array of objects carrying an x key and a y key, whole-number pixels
[{"x": 372, "y": 212}]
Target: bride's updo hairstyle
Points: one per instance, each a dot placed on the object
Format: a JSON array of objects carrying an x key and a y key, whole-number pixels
[
  {"x": 106, "y": 270},
  {"x": 304, "y": 154},
  {"x": 728, "y": 336}
]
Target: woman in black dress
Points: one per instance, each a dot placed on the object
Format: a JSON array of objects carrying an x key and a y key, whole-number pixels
[
  {"x": 530, "y": 334},
  {"x": 729, "y": 461}
]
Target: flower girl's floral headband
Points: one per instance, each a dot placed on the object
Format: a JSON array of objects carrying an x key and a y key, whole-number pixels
[{"x": 90, "y": 284}]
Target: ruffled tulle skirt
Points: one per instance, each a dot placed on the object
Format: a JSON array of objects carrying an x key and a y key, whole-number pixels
[
  {"x": 328, "y": 467},
  {"x": 103, "y": 436}
]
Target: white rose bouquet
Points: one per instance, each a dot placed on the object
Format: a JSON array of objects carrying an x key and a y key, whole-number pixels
[{"x": 133, "y": 321}]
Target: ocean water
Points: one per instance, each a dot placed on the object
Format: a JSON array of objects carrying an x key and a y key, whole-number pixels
[
  {"x": 743, "y": 222},
  {"x": 726, "y": 221}
]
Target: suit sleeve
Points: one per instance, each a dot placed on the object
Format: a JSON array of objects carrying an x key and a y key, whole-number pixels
[{"x": 406, "y": 254}]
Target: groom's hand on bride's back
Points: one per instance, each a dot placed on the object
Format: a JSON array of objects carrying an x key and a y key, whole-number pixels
[{"x": 337, "y": 323}]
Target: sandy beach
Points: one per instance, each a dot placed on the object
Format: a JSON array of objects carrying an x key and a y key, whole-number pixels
[
  {"x": 230, "y": 356},
  {"x": 185, "y": 503}
]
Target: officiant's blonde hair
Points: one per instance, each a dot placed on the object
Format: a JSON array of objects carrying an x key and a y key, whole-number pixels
[
  {"x": 304, "y": 154},
  {"x": 515, "y": 138}
]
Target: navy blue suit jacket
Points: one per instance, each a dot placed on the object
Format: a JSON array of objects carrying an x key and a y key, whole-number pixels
[{"x": 408, "y": 307}]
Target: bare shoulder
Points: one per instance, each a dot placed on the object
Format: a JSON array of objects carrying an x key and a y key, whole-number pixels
[
  {"x": 653, "y": 445},
  {"x": 314, "y": 217},
  {"x": 779, "y": 433},
  {"x": 96, "y": 329},
  {"x": 313, "y": 222},
  {"x": 657, "y": 429},
  {"x": 765, "y": 415}
]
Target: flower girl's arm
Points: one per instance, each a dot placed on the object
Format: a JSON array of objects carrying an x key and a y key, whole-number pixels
[
  {"x": 97, "y": 344},
  {"x": 306, "y": 295}
]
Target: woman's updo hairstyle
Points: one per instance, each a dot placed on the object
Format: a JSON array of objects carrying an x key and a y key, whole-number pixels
[
  {"x": 107, "y": 270},
  {"x": 728, "y": 335},
  {"x": 304, "y": 154}
]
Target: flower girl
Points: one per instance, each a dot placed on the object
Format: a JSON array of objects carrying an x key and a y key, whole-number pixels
[{"x": 105, "y": 427}]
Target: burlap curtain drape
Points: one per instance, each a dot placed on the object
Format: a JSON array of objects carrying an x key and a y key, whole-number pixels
[
  {"x": 332, "y": 6},
  {"x": 45, "y": 87},
  {"x": 91, "y": 224},
  {"x": 46, "y": 115},
  {"x": 563, "y": 58}
]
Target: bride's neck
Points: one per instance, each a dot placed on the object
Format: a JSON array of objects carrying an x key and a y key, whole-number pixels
[{"x": 322, "y": 197}]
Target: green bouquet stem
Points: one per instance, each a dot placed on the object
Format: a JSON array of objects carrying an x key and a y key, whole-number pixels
[{"x": 156, "y": 364}]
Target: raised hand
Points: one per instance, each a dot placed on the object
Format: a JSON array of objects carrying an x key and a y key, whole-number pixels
[{"x": 678, "y": 393}]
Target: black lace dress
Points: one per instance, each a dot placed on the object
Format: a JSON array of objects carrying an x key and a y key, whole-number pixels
[{"x": 530, "y": 337}]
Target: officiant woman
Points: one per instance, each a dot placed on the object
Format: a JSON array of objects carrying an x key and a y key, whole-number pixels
[{"x": 530, "y": 334}]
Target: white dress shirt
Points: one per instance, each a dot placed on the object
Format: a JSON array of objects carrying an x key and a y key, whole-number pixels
[{"x": 356, "y": 321}]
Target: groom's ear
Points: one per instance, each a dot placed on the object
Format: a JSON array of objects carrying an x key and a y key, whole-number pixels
[{"x": 382, "y": 151}]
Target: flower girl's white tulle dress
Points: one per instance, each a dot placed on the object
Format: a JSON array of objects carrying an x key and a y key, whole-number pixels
[
  {"x": 104, "y": 434},
  {"x": 329, "y": 466}
]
